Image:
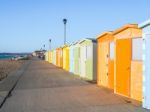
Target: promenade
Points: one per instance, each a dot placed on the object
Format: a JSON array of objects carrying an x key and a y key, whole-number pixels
[{"x": 43, "y": 87}]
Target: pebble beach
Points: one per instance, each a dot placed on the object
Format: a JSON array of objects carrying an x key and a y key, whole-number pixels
[{"x": 9, "y": 66}]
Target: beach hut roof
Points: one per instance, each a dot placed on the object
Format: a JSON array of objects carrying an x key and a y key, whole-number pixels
[
  {"x": 105, "y": 33},
  {"x": 92, "y": 39},
  {"x": 145, "y": 24},
  {"x": 71, "y": 44},
  {"x": 76, "y": 42},
  {"x": 125, "y": 27},
  {"x": 65, "y": 46},
  {"x": 88, "y": 39}
]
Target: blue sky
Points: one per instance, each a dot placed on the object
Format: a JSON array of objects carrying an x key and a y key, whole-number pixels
[{"x": 26, "y": 25}]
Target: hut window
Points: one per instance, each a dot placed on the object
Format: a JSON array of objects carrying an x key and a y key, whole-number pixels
[
  {"x": 88, "y": 52},
  {"x": 137, "y": 49},
  {"x": 111, "y": 52}
]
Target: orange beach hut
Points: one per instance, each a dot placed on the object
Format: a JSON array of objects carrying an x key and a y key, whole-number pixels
[
  {"x": 105, "y": 73},
  {"x": 59, "y": 57},
  {"x": 128, "y": 61}
]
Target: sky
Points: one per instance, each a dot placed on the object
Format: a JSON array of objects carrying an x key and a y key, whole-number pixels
[{"x": 27, "y": 25}]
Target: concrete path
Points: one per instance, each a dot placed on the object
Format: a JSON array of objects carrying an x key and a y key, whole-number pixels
[
  {"x": 46, "y": 88},
  {"x": 8, "y": 84}
]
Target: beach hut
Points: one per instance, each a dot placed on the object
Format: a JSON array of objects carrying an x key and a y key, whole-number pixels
[
  {"x": 76, "y": 55},
  {"x": 49, "y": 56},
  {"x": 54, "y": 57},
  {"x": 71, "y": 57},
  {"x": 128, "y": 61},
  {"x": 146, "y": 60},
  {"x": 105, "y": 59},
  {"x": 66, "y": 59},
  {"x": 88, "y": 58},
  {"x": 59, "y": 57},
  {"x": 46, "y": 56}
]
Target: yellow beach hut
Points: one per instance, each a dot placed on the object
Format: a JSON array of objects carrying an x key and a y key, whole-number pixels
[{"x": 66, "y": 57}]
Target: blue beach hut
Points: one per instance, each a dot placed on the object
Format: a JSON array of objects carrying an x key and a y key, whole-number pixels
[{"x": 146, "y": 66}]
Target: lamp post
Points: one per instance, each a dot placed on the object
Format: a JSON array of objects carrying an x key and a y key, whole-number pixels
[
  {"x": 50, "y": 44},
  {"x": 44, "y": 47},
  {"x": 65, "y": 22}
]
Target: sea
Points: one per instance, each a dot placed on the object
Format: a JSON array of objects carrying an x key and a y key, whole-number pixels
[{"x": 6, "y": 56}]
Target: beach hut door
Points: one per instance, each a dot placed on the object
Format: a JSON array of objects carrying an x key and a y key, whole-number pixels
[
  {"x": 83, "y": 59},
  {"x": 123, "y": 66},
  {"x": 104, "y": 63}
]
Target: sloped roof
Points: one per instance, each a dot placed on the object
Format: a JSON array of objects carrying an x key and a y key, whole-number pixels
[
  {"x": 145, "y": 24},
  {"x": 125, "y": 27},
  {"x": 88, "y": 39},
  {"x": 103, "y": 34}
]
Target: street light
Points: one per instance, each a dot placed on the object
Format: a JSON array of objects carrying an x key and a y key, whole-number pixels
[
  {"x": 50, "y": 44},
  {"x": 65, "y": 22},
  {"x": 44, "y": 47}
]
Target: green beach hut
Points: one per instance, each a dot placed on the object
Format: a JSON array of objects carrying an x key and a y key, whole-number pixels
[{"x": 88, "y": 58}]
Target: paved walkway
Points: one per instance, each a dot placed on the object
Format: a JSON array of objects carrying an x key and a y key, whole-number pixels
[{"x": 46, "y": 88}]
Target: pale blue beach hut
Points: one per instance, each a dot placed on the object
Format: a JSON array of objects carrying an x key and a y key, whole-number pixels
[
  {"x": 146, "y": 66},
  {"x": 76, "y": 57},
  {"x": 71, "y": 47}
]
